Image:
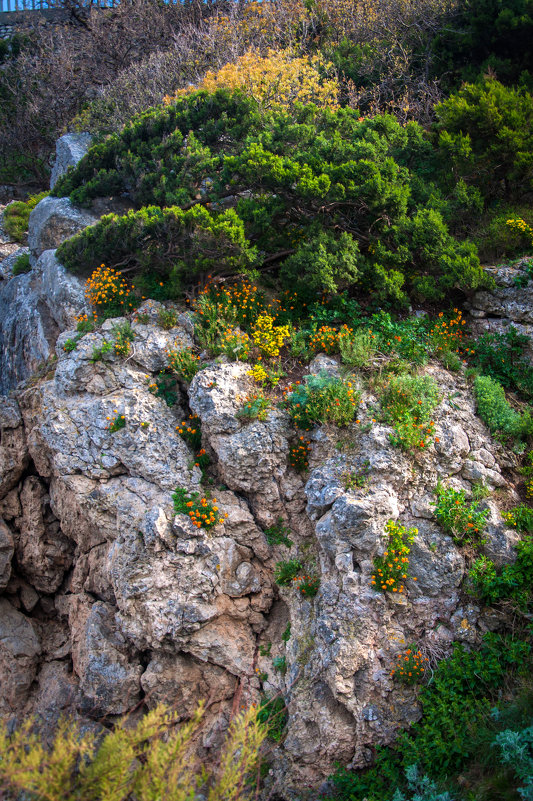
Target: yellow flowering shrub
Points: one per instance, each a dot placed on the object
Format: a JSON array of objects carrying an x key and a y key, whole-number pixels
[
  {"x": 278, "y": 79},
  {"x": 108, "y": 293},
  {"x": 269, "y": 338},
  {"x": 520, "y": 226}
]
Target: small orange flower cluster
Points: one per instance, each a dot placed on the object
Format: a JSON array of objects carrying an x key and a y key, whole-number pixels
[
  {"x": 325, "y": 340},
  {"x": 241, "y": 303},
  {"x": 447, "y": 335},
  {"x": 410, "y": 666},
  {"x": 299, "y": 455},
  {"x": 106, "y": 289},
  {"x": 190, "y": 431},
  {"x": 203, "y": 512},
  {"x": 116, "y": 423},
  {"x": 307, "y": 585}
]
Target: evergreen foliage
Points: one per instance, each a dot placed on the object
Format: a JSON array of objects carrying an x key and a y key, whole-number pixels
[{"x": 323, "y": 189}]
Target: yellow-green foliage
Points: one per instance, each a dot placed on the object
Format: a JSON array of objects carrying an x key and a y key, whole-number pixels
[{"x": 150, "y": 761}]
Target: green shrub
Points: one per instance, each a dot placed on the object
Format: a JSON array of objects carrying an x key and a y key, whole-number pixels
[
  {"x": 359, "y": 222},
  {"x": 22, "y": 264},
  {"x": 256, "y": 407},
  {"x": 278, "y": 534},
  {"x": 486, "y": 135},
  {"x": 455, "y": 707},
  {"x": 496, "y": 412},
  {"x": 463, "y": 521},
  {"x": 116, "y": 423},
  {"x": 71, "y": 344},
  {"x": 172, "y": 243},
  {"x": 501, "y": 356},
  {"x": 521, "y": 518},
  {"x": 165, "y": 386},
  {"x": 17, "y": 214},
  {"x": 514, "y": 582},
  {"x": 407, "y": 402},
  {"x": 98, "y": 353},
  {"x": 167, "y": 318},
  {"x": 358, "y": 347},
  {"x": 124, "y": 336},
  {"x": 285, "y": 572},
  {"x": 322, "y": 399},
  {"x": 273, "y": 715}
]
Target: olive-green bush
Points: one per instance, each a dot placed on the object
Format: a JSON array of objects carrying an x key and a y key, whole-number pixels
[{"x": 325, "y": 194}]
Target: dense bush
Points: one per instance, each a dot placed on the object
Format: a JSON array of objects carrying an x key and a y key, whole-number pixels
[
  {"x": 501, "y": 356},
  {"x": 496, "y": 412},
  {"x": 455, "y": 707},
  {"x": 317, "y": 190},
  {"x": 513, "y": 582},
  {"x": 321, "y": 399},
  {"x": 17, "y": 214}
]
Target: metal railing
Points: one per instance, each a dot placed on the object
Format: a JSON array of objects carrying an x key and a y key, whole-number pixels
[{"x": 45, "y": 5}]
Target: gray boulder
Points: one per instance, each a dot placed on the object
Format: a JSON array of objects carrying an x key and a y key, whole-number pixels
[
  {"x": 70, "y": 149},
  {"x": 52, "y": 221}
]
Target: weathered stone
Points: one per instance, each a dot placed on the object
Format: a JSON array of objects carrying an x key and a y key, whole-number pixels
[
  {"x": 14, "y": 456},
  {"x": 6, "y": 554},
  {"x": 7, "y": 264},
  {"x": 43, "y": 551},
  {"x": 19, "y": 652},
  {"x": 108, "y": 671},
  {"x": 70, "y": 149},
  {"x": 53, "y": 220}
]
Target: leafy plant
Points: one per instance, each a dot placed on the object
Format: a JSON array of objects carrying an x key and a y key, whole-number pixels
[
  {"x": 463, "y": 521},
  {"x": 272, "y": 714},
  {"x": 409, "y": 667},
  {"x": 108, "y": 293},
  {"x": 514, "y": 582},
  {"x": 167, "y": 318},
  {"x": 299, "y": 454},
  {"x": 307, "y": 585},
  {"x": 98, "y": 353},
  {"x": 278, "y": 534},
  {"x": 496, "y": 412},
  {"x": 71, "y": 344},
  {"x": 116, "y": 423},
  {"x": 16, "y": 216},
  {"x": 279, "y": 663},
  {"x": 322, "y": 399},
  {"x": 356, "y": 479},
  {"x": 184, "y": 363},
  {"x": 235, "y": 344},
  {"x": 501, "y": 357},
  {"x": 124, "y": 336},
  {"x": 165, "y": 386},
  {"x": 286, "y": 571},
  {"x": 287, "y": 633},
  {"x": 392, "y": 569},
  {"x": 357, "y": 348},
  {"x": 521, "y": 518},
  {"x": 22, "y": 264},
  {"x": 408, "y": 402},
  {"x": 191, "y": 431},
  {"x": 324, "y": 340},
  {"x": 256, "y": 407},
  {"x": 203, "y": 512}
]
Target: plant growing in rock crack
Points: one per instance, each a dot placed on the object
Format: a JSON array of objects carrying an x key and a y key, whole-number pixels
[
  {"x": 272, "y": 713},
  {"x": 307, "y": 585},
  {"x": 278, "y": 534},
  {"x": 279, "y": 663},
  {"x": 116, "y": 423},
  {"x": 165, "y": 386},
  {"x": 286, "y": 571},
  {"x": 356, "y": 479},
  {"x": 99, "y": 352},
  {"x": 255, "y": 407},
  {"x": 463, "y": 521},
  {"x": 409, "y": 667},
  {"x": 184, "y": 363},
  {"x": 299, "y": 455},
  {"x": 287, "y": 633},
  {"x": 71, "y": 344},
  {"x": 124, "y": 335},
  {"x": 203, "y": 512},
  {"x": 166, "y": 318},
  {"x": 392, "y": 569},
  {"x": 407, "y": 402},
  {"x": 321, "y": 399}
]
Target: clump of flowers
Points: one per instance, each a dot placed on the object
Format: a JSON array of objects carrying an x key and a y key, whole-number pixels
[
  {"x": 322, "y": 399},
  {"x": 521, "y": 518},
  {"x": 521, "y": 227},
  {"x": 299, "y": 454},
  {"x": 267, "y": 337},
  {"x": 408, "y": 402},
  {"x": 286, "y": 571},
  {"x": 86, "y": 324},
  {"x": 325, "y": 340},
  {"x": 262, "y": 374},
  {"x": 447, "y": 334},
  {"x": 124, "y": 336},
  {"x": 108, "y": 293},
  {"x": 235, "y": 344},
  {"x": 116, "y": 423},
  {"x": 255, "y": 407},
  {"x": 463, "y": 521},
  {"x": 191, "y": 431},
  {"x": 185, "y": 363},
  {"x": 307, "y": 585},
  {"x": 203, "y": 512},
  {"x": 410, "y": 666},
  {"x": 392, "y": 569}
]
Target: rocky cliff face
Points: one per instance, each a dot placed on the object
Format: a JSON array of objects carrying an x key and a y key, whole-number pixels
[{"x": 109, "y": 598}]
